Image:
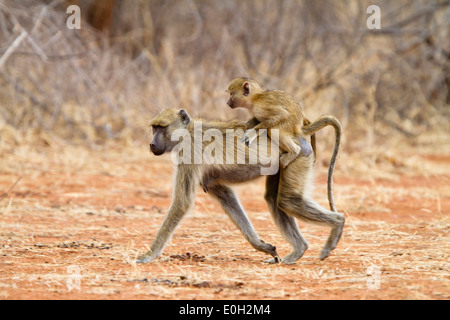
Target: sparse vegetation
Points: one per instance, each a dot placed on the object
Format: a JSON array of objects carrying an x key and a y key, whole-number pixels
[
  {"x": 78, "y": 187},
  {"x": 130, "y": 59}
]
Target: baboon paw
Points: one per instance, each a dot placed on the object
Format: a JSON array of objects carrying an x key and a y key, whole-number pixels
[
  {"x": 278, "y": 260},
  {"x": 145, "y": 258},
  {"x": 244, "y": 140},
  {"x": 324, "y": 253},
  {"x": 274, "y": 260},
  {"x": 249, "y": 137},
  {"x": 284, "y": 161},
  {"x": 270, "y": 261}
]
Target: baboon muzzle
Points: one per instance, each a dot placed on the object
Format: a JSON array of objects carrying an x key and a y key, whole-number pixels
[
  {"x": 155, "y": 150},
  {"x": 230, "y": 103}
]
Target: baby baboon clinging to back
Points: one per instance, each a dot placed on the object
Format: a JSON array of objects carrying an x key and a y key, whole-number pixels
[{"x": 274, "y": 110}]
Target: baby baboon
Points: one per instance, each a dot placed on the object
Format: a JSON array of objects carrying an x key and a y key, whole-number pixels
[
  {"x": 287, "y": 193},
  {"x": 310, "y": 129},
  {"x": 278, "y": 110},
  {"x": 274, "y": 110}
]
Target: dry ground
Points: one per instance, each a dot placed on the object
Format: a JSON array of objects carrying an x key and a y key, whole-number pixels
[{"x": 73, "y": 225}]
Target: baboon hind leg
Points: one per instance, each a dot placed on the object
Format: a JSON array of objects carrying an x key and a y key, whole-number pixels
[
  {"x": 294, "y": 200},
  {"x": 286, "y": 224},
  {"x": 234, "y": 210}
]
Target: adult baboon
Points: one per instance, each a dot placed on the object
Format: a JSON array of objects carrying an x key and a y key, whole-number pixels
[{"x": 286, "y": 194}]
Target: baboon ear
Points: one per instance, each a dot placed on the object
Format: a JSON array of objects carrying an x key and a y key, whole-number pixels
[
  {"x": 184, "y": 116},
  {"x": 246, "y": 87}
]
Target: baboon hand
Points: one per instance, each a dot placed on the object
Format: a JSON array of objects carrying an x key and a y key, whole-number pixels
[{"x": 249, "y": 137}]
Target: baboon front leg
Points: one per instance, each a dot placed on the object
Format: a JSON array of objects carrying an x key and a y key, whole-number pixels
[
  {"x": 183, "y": 200},
  {"x": 286, "y": 224},
  {"x": 162, "y": 237},
  {"x": 234, "y": 210}
]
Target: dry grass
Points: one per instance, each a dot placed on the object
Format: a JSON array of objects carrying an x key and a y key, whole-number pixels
[
  {"x": 90, "y": 87},
  {"x": 78, "y": 187},
  {"x": 413, "y": 259},
  {"x": 100, "y": 211}
]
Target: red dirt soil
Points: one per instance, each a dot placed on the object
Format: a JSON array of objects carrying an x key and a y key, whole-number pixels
[{"x": 73, "y": 225}]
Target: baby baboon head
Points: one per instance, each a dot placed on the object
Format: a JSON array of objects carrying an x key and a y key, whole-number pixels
[
  {"x": 163, "y": 125},
  {"x": 241, "y": 91}
]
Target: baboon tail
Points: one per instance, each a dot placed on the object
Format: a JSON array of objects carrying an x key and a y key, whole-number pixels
[{"x": 311, "y": 129}]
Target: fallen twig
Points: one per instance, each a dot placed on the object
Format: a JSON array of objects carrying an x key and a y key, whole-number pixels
[{"x": 3, "y": 196}]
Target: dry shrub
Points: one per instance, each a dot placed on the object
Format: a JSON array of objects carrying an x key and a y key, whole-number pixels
[{"x": 130, "y": 59}]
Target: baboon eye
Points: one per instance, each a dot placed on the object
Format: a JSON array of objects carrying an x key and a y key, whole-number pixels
[{"x": 156, "y": 128}]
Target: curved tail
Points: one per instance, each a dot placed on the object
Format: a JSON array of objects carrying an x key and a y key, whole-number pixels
[{"x": 312, "y": 128}]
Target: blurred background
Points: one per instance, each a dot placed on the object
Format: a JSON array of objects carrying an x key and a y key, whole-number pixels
[{"x": 131, "y": 58}]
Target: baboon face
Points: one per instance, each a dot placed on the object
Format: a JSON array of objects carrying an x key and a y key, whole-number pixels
[
  {"x": 230, "y": 101},
  {"x": 240, "y": 91},
  {"x": 158, "y": 145},
  {"x": 163, "y": 125}
]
